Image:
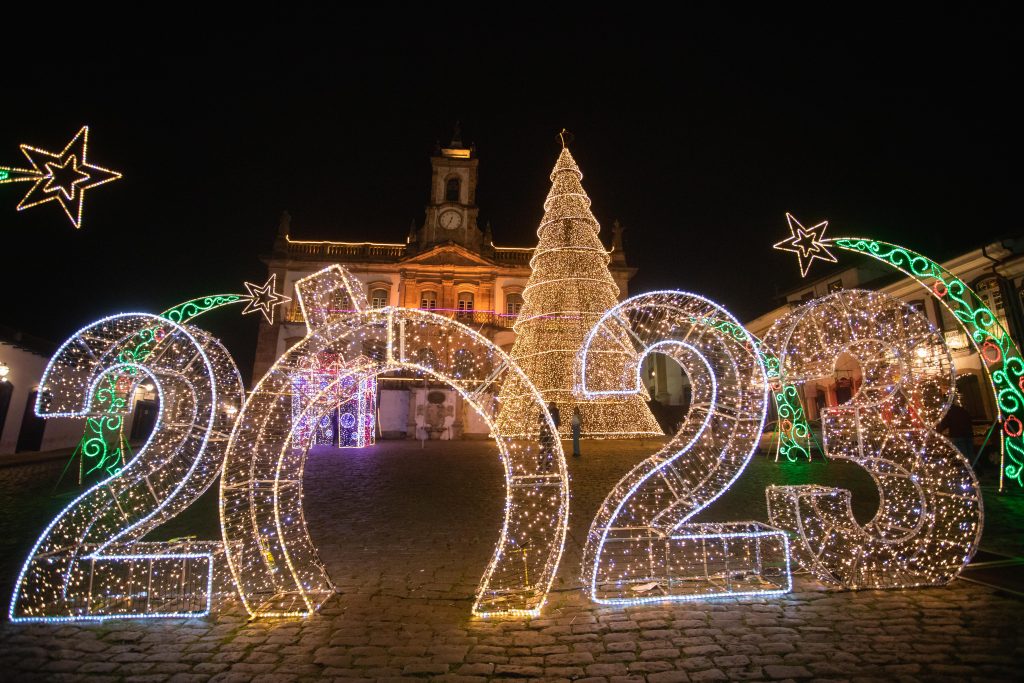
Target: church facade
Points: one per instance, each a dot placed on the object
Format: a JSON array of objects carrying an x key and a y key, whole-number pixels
[{"x": 447, "y": 264}]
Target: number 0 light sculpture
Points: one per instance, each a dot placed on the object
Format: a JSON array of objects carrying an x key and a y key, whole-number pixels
[
  {"x": 641, "y": 546},
  {"x": 274, "y": 562},
  {"x": 930, "y": 516}
]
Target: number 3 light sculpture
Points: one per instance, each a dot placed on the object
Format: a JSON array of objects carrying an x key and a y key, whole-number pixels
[
  {"x": 642, "y": 546},
  {"x": 929, "y": 517}
]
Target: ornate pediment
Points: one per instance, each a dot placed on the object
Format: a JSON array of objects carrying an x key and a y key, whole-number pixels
[{"x": 448, "y": 255}]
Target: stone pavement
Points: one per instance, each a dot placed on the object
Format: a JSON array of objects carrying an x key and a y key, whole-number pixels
[{"x": 406, "y": 533}]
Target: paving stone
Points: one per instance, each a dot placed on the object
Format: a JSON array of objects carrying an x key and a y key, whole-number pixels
[{"x": 407, "y": 572}]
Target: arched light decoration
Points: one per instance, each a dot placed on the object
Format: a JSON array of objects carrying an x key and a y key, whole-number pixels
[
  {"x": 641, "y": 546},
  {"x": 929, "y": 520},
  {"x": 271, "y": 555},
  {"x": 1003, "y": 363},
  {"x": 89, "y": 563}
]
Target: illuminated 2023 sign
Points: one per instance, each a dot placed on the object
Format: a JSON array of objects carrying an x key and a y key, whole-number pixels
[{"x": 89, "y": 562}]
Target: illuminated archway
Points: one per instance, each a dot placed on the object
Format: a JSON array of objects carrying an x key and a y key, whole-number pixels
[{"x": 273, "y": 560}]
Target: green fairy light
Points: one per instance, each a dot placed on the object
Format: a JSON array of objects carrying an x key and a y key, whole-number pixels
[
  {"x": 103, "y": 447},
  {"x": 794, "y": 430},
  {"x": 1000, "y": 355}
]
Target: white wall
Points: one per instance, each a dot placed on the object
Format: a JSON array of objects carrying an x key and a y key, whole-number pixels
[
  {"x": 26, "y": 370},
  {"x": 393, "y": 414}
]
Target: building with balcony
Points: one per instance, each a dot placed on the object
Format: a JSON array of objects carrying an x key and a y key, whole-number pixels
[{"x": 447, "y": 264}]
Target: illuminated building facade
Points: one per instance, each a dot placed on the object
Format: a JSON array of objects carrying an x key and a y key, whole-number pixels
[{"x": 448, "y": 264}]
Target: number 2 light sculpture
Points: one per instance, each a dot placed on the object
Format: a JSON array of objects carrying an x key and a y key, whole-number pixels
[
  {"x": 89, "y": 563},
  {"x": 642, "y": 546},
  {"x": 272, "y": 558},
  {"x": 929, "y": 518}
]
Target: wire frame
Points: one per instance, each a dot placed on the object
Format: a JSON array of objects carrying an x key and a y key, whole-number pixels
[
  {"x": 274, "y": 562},
  {"x": 929, "y": 520},
  {"x": 642, "y": 546},
  {"x": 89, "y": 563}
]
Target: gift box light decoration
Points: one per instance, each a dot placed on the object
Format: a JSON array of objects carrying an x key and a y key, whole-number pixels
[
  {"x": 642, "y": 546},
  {"x": 348, "y": 419},
  {"x": 274, "y": 562},
  {"x": 89, "y": 563},
  {"x": 929, "y": 520}
]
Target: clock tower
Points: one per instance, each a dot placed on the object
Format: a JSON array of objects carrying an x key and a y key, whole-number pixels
[{"x": 452, "y": 211}]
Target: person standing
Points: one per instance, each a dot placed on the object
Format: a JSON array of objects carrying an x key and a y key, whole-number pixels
[
  {"x": 577, "y": 424},
  {"x": 957, "y": 422},
  {"x": 546, "y": 455}
]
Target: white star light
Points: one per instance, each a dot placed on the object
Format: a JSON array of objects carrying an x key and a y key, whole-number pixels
[
  {"x": 807, "y": 243},
  {"x": 62, "y": 177},
  {"x": 264, "y": 299}
]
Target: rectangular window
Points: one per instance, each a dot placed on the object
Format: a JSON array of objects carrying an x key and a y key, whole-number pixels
[{"x": 835, "y": 286}]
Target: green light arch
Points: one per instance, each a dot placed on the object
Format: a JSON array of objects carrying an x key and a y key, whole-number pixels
[{"x": 999, "y": 354}]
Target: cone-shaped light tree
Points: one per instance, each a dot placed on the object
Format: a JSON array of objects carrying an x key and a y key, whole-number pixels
[{"x": 569, "y": 290}]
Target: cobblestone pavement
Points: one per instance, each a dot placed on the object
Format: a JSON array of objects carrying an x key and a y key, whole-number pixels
[{"x": 406, "y": 533}]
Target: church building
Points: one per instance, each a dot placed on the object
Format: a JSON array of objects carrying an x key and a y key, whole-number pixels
[{"x": 447, "y": 264}]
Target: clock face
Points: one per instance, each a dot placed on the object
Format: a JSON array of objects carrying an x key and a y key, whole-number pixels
[{"x": 450, "y": 219}]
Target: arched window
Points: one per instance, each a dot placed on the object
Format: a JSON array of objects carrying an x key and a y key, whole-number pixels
[
  {"x": 465, "y": 305},
  {"x": 513, "y": 304},
  {"x": 428, "y": 299},
  {"x": 378, "y": 298},
  {"x": 451, "y": 190}
]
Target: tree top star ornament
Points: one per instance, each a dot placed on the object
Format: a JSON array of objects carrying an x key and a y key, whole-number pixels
[
  {"x": 807, "y": 243},
  {"x": 264, "y": 299},
  {"x": 62, "y": 177}
]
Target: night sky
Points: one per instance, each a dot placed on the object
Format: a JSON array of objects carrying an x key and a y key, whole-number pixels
[{"x": 697, "y": 137}]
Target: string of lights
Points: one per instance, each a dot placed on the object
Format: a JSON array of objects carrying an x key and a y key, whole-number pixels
[
  {"x": 569, "y": 289},
  {"x": 90, "y": 563},
  {"x": 641, "y": 546},
  {"x": 272, "y": 558},
  {"x": 1002, "y": 360},
  {"x": 930, "y": 517}
]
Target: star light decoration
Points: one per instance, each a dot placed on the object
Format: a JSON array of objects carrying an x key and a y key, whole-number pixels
[
  {"x": 62, "y": 177},
  {"x": 264, "y": 299},
  {"x": 807, "y": 243}
]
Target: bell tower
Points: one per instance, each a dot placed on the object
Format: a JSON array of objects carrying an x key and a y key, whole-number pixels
[{"x": 452, "y": 211}]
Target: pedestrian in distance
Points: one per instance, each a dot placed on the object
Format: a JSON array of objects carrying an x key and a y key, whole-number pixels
[
  {"x": 577, "y": 425},
  {"x": 957, "y": 421}
]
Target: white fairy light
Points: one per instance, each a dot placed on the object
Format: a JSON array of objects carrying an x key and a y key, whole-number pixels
[
  {"x": 570, "y": 288},
  {"x": 62, "y": 176},
  {"x": 89, "y": 562},
  {"x": 930, "y": 519},
  {"x": 272, "y": 558},
  {"x": 264, "y": 298},
  {"x": 641, "y": 539}
]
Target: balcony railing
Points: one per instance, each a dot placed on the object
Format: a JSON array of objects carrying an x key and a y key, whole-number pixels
[
  {"x": 354, "y": 250},
  {"x": 513, "y": 257},
  {"x": 470, "y": 318}
]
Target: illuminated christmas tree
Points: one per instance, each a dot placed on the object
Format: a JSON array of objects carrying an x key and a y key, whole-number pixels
[{"x": 569, "y": 290}]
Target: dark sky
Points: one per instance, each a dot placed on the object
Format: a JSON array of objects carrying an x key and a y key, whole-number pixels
[{"x": 697, "y": 136}]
